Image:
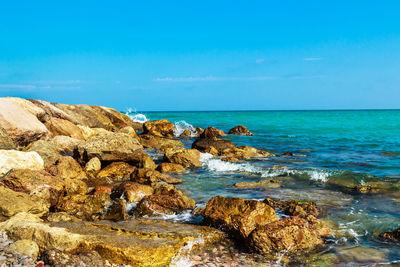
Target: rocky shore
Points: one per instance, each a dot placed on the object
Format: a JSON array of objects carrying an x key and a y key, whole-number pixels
[{"x": 77, "y": 188}]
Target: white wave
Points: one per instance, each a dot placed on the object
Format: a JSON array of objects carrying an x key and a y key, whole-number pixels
[
  {"x": 217, "y": 165},
  {"x": 181, "y": 126},
  {"x": 318, "y": 175},
  {"x": 182, "y": 258},
  {"x": 136, "y": 117}
]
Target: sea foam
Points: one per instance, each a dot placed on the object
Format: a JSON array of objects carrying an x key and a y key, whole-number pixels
[{"x": 181, "y": 126}]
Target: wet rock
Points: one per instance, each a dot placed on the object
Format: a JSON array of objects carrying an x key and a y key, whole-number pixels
[
  {"x": 230, "y": 159},
  {"x": 49, "y": 151},
  {"x": 12, "y": 202},
  {"x": 116, "y": 172},
  {"x": 199, "y": 131},
  {"x": 211, "y": 133},
  {"x": 58, "y": 126},
  {"x": 117, "y": 211},
  {"x": 13, "y": 159},
  {"x": 293, "y": 207},
  {"x": 162, "y": 128},
  {"x": 21, "y": 126},
  {"x": 166, "y": 199},
  {"x": 240, "y": 130},
  {"x": 167, "y": 167},
  {"x": 152, "y": 141},
  {"x": 186, "y": 133},
  {"x": 237, "y": 216},
  {"x": 109, "y": 147},
  {"x": 393, "y": 236},
  {"x": 93, "y": 166},
  {"x": 261, "y": 184},
  {"x": 50, "y": 110},
  {"x": 245, "y": 152},
  {"x": 135, "y": 242},
  {"x": 25, "y": 247},
  {"x": 360, "y": 255},
  {"x": 189, "y": 158},
  {"x": 289, "y": 154},
  {"x": 66, "y": 167},
  {"x": 211, "y": 150},
  {"x": 57, "y": 258},
  {"x": 5, "y": 141},
  {"x": 292, "y": 235},
  {"x": 131, "y": 191},
  {"x": 203, "y": 144}
]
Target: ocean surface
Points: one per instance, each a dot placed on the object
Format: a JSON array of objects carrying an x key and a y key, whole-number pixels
[{"x": 330, "y": 149}]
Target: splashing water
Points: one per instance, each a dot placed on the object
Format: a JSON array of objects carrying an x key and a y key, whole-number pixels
[
  {"x": 136, "y": 117},
  {"x": 181, "y": 126}
]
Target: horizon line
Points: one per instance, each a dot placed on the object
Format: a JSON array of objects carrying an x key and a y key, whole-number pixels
[{"x": 272, "y": 110}]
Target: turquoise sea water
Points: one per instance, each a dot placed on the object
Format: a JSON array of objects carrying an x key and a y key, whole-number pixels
[{"x": 328, "y": 146}]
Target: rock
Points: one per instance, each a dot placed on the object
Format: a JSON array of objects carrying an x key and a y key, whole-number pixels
[
  {"x": 203, "y": 144},
  {"x": 49, "y": 151},
  {"x": 50, "y": 110},
  {"x": 292, "y": 235},
  {"x": 66, "y": 167},
  {"x": 13, "y": 159},
  {"x": 245, "y": 152},
  {"x": 237, "y": 216},
  {"x": 229, "y": 159},
  {"x": 87, "y": 116},
  {"x": 393, "y": 236},
  {"x": 162, "y": 128},
  {"x": 131, "y": 131},
  {"x": 290, "y": 154},
  {"x": 116, "y": 172},
  {"x": 57, "y": 258},
  {"x": 132, "y": 192},
  {"x": 93, "y": 166},
  {"x": 199, "y": 131},
  {"x": 261, "y": 184},
  {"x": 5, "y": 141},
  {"x": 189, "y": 158},
  {"x": 211, "y": 133},
  {"x": 99, "y": 189},
  {"x": 240, "y": 130},
  {"x": 88, "y": 207},
  {"x": 21, "y": 126},
  {"x": 211, "y": 150},
  {"x": 66, "y": 144},
  {"x": 151, "y": 177},
  {"x": 88, "y": 132},
  {"x": 58, "y": 126},
  {"x": 167, "y": 167},
  {"x": 186, "y": 133},
  {"x": 169, "y": 150},
  {"x": 117, "y": 211},
  {"x": 25, "y": 247},
  {"x": 12, "y": 203},
  {"x": 152, "y": 141},
  {"x": 109, "y": 147},
  {"x": 119, "y": 119},
  {"x": 28, "y": 106},
  {"x": 61, "y": 217},
  {"x": 362, "y": 256},
  {"x": 135, "y": 242},
  {"x": 300, "y": 208},
  {"x": 166, "y": 199}
]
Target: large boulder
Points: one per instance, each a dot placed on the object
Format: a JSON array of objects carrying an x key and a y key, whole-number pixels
[
  {"x": 38, "y": 112},
  {"x": 134, "y": 242},
  {"x": 109, "y": 147},
  {"x": 115, "y": 172},
  {"x": 67, "y": 168},
  {"x": 240, "y": 130},
  {"x": 5, "y": 141},
  {"x": 293, "y": 207},
  {"x": 205, "y": 144},
  {"x": 21, "y": 125},
  {"x": 162, "y": 128},
  {"x": 49, "y": 151},
  {"x": 152, "y": 141},
  {"x": 63, "y": 127},
  {"x": 187, "y": 158},
  {"x": 13, "y": 159},
  {"x": 12, "y": 202},
  {"x": 119, "y": 119},
  {"x": 237, "y": 216},
  {"x": 292, "y": 235},
  {"x": 66, "y": 143},
  {"x": 50, "y": 110},
  {"x": 211, "y": 133}
]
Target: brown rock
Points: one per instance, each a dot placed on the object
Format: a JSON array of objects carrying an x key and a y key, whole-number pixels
[
  {"x": 244, "y": 152},
  {"x": 49, "y": 151},
  {"x": 151, "y": 177},
  {"x": 152, "y": 141},
  {"x": 230, "y": 159},
  {"x": 237, "y": 216},
  {"x": 131, "y": 131},
  {"x": 169, "y": 150},
  {"x": 211, "y": 132},
  {"x": 57, "y": 258},
  {"x": 162, "y": 128},
  {"x": 292, "y": 235},
  {"x": 189, "y": 158},
  {"x": 93, "y": 166},
  {"x": 99, "y": 189},
  {"x": 119, "y": 119},
  {"x": 204, "y": 144},
  {"x": 170, "y": 168},
  {"x": 50, "y": 110},
  {"x": 186, "y": 133},
  {"x": 261, "y": 184},
  {"x": 132, "y": 192},
  {"x": 293, "y": 207},
  {"x": 61, "y": 217},
  {"x": 21, "y": 126},
  {"x": 5, "y": 141},
  {"x": 25, "y": 247},
  {"x": 240, "y": 130},
  {"x": 58, "y": 126},
  {"x": 116, "y": 172},
  {"x": 211, "y": 150},
  {"x": 66, "y": 167},
  {"x": 393, "y": 236},
  {"x": 290, "y": 154},
  {"x": 66, "y": 144}
]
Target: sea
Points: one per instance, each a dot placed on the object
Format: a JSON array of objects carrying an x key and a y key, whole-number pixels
[{"x": 331, "y": 152}]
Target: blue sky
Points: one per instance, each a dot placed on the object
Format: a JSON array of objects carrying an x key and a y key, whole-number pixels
[{"x": 203, "y": 55}]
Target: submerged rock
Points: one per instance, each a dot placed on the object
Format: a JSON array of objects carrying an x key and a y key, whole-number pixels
[
  {"x": 13, "y": 159},
  {"x": 240, "y": 130},
  {"x": 162, "y": 128},
  {"x": 237, "y": 216},
  {"x": 393, "y": 236},
  {"x": 261, "y": 184}
]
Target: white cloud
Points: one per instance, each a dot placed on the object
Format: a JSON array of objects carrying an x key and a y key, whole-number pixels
[
  {"x": 214, "y": 78},
  {"x": 53, "y": 82},
  {"x": 17, "y": 86},
  {"x": 312, "y": 58}
]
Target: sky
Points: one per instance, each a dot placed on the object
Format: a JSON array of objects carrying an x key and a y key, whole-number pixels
[{"x": 203, "y": 55}]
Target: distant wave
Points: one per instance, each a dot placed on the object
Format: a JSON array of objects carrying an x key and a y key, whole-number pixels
[{"x": 136, "y": 117}]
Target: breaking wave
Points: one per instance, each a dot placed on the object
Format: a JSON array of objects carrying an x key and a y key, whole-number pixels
[
  {"x": 181, "y": 126},
  {"x": 136, "y": 117}
]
